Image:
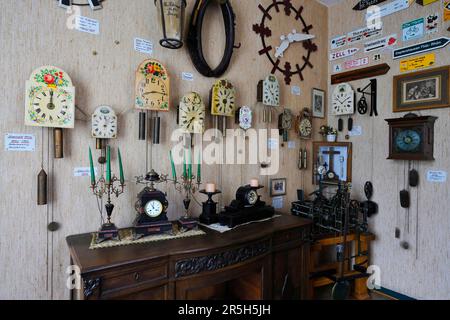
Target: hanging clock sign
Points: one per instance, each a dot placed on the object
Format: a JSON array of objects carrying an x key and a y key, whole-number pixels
[
  {"x": 223, "y": 99},
  {"x": 152, "y": 86},
  {"x": 192, "y": 113},
  {"x": 50, "y": 99},
  {"x": 104, "y": 123},
  {"x": 274, "y": 46}
]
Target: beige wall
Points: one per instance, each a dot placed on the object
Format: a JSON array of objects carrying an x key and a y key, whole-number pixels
[
  {"x": 425, "y": 274},
  {"x": 34, "y": 33}
]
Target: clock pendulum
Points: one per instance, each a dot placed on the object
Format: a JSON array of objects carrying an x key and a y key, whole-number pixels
[{"x": 268, "y": 93}]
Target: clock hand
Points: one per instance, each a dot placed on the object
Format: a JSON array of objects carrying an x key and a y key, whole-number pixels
[
  {"x": 299, "y": 37},
  {"x": 284, "y": 45}
]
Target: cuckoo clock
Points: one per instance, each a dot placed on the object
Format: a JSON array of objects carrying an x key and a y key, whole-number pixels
[{"x": 274, "y": 46}]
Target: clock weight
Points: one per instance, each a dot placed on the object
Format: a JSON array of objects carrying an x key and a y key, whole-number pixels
[
  {"x": 142, "y": 125},
  {"x": 42, "y": 190},
  {"x": 58, "y": 143}
]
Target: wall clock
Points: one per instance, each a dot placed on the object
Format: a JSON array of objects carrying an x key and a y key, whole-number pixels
[
  {"x": 269, "y": 91},
  {"x": 152, "y": 86},
  {"x": 223, "y": 99},
  {"x": 245, "y": 118},
  {"x": 285, "y": 123},
  {"x": 343, "y": 100},
  {"x": 192, "y": 113},
  {"x": 274, "y": 49},
  {"x": 104, "y": 123},
  {"x": 305, "y": 124},
  {"x": 411, "y": 138}
]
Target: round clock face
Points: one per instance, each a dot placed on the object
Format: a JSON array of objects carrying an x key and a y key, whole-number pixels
[
  {"x": 223, "y": 99},
  {"x": 331, "y": 175},
  {"x": 52, "y": 107},
  {"x": 408, "y": 141},
  {"x": 104, "y": 123},
  {"x": 343, "y": 100},
  {"x": 321, "y": 170},
  {"x": 153, "y": 93},
  {"x": 192, "y": 113},
  {"x": 271, "y": 92},
  {"x": 252, "y": 197},
  {"x": 245, "y": 118},
  {"x": 305, "y": 128},
  {"x": 153, "y": 208},
  {"x": 277, "y": 46}
]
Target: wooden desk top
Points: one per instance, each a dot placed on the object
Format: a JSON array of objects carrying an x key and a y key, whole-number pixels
[{"x": 96, "y": 260}]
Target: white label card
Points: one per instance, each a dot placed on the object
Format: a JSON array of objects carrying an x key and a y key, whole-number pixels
[
  {"x": 356, "y": 132},
  {"x": 272, "y": 144},
  {"x": 437, "y": 176},
  {"x": 382, "y": 43},
  {"x": 296, "y": 91},
  {"x": 87, "y": 25},
  {"x": 277, "y": 202},
  {"x": 20, "y": 142},
  {"x": 84, "y": 172},
  {"x": 144, "y": 46},
  {"x": 291, "y": 144},
  {"x": 187, "y": 76},
  {"x": 413, "y": 29},
  {"x": 342, "y": 54},
  {"x": 338, "y": 42}
]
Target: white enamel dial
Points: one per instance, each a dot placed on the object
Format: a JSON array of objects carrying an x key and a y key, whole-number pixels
[
  {"x": 104, "y": 123},
  {"x": 343, "y": 100},
  {"x": 192, "y": 113},
  {"x": 154, "y": 208},
  {"x": 252, "y": 197},
  {"x": 271, "y": 92}
]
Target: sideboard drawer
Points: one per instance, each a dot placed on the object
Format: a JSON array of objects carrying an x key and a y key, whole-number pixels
[{"x": 288, "y": 236}]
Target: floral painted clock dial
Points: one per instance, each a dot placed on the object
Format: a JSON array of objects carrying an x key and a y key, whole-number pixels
[
  {"x": 152, "y": 86},
  {"x": 343, "y": 100},
  {"x": 104, "y": 123},
  {"x": 245, "y": 118},
  {"x": 50, "y": 99},
  {"x": 192, "y": 113},
  {"x": 223, "y": 99},
  {"x": 274, "y": 46}
]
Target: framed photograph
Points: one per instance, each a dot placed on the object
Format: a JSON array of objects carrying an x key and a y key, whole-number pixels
[
  {"x": 277, "y": 187},
  {"x": 318, "y": 103},
  {"x": 422, "y": 90},
  {"x": 334, "y": 162}
]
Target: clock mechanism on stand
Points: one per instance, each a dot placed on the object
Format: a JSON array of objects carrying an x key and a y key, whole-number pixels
[{"x": 246, "y": 207}]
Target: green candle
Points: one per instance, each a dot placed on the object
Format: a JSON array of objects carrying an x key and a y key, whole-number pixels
[
  {"x": 184, "y": 165},
  {"x": 190, "y": 164},
  {"x": 199, "y": 168},
  {"x": 91, "y": 164},
  {"x": 108, "y": 165},
  {"x": 174, "y": 172},
  {"x": 122, "y": 176}
]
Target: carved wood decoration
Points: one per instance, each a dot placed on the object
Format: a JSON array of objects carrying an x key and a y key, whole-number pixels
[
  {"x": 359, "y": 74},
  {"x": 288, "y": 69}
]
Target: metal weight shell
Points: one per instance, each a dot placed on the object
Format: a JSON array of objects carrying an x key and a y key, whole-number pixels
[
  {"x": 58, "y": 143},
  {"x": 42, "y": 190}
]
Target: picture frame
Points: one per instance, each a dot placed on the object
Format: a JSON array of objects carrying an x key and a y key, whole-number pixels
[
  {"x": 278, "y": 187},
  {"x": 318, "y": 103},
  {"x": 427, "y": 89},
  {"x": 340, "y": 163}
]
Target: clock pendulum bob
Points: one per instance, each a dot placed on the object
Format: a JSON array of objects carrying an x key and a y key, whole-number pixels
[
  {"x": 247, "y": 207},
  {"x": 42, "y": 188},
  {"x": 209, "y": 213},
  {"x": 109, "y": 230},
  {"x": 187, "y": 223},
  {"x": 58, "y": 143}
]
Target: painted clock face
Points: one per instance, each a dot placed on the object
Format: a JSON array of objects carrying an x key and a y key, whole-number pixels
[
  {"x": 104, "y": 123},
  {"x": 252, "y": 197},
  {"x": 271, "y": 92},
  {"x": 408, "y": 141},
  {"x": 305, "y": 126},
  {"x": 245, "y": 118},
  {"x": 223, "y": 100},
  {"x": 50, "y": 99},
  {"x": 295, "y": 62},
  {"x": 343, "y": 100},
  {"x": 192, "y": 113},
  {"x": 154, "y": 208},
  {"x": 286, "y": 119},
  {"x": 152, "y": 86}
]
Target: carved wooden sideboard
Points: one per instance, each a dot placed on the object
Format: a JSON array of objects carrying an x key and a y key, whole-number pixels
[{"x": 267, "y": 260}]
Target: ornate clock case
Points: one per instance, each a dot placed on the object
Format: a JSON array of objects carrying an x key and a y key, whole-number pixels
[
  {"x": 223, "y": 99},
  {"x": 104, "y": 123},
  {"x": 192, "y": 113},
  {"x": 152, "y": 86},
  {"x": 245, "y": 208},
  {"x": 305, "y": 124},
  {"x": 343, "y": 100},
  {"x": 285, "y": 10},
  {"x": 50, "y": 99},
  {"x": 269, "y": 92},
  {"x": 411, "y": 138}
]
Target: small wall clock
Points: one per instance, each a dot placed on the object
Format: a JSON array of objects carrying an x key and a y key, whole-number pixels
[
  {"x": 223, "y": 99},
  {"x": 411, "y": 138},
  {"x": 50, "y": 99},
  {"x": 152, "y": 86},
  {"x": 274, "y": 49},
  {"x": 343, "y": 100},
  {"x": 245, "y": 118},
  {"x": 285, "y": 124},
  {"x": 104, "y": 123},
  {"x": 192, "y": 113},
  {"x": 269, "y": 92},
  {"x": 305, "y": 125}
]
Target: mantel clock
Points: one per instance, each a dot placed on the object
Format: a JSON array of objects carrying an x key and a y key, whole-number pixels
[{"x": 411, "y": 138}]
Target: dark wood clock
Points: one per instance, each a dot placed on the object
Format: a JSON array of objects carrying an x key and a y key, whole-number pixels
[
  {"x": 411, "y": 138},
  {"x": 274, "y": 46}
]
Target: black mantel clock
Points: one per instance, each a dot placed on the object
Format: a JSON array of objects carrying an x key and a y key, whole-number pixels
[
  {"x": 245, "y": 208},
  {"x": 411, "y": 138},
  {"x": 152, "y": 208}
]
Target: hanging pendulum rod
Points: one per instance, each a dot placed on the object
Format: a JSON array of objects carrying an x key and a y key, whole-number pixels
[{"x": 42, "y": 189}]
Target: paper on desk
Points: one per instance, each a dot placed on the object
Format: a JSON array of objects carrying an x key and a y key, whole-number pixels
[{"x": 222, "y": 229}]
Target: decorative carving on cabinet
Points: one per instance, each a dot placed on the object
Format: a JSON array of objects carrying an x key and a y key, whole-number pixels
[
  {"x": 220, "y": 260},
  {"x": 90, "y": 285}
]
